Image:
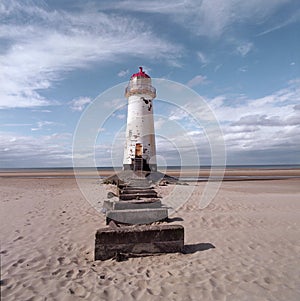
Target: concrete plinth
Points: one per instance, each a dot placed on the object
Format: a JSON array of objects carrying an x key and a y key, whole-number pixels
[
  {"x": 137, "y": 216},
  {"x": 136, "y": 196},
  {"x": 137, "y": 204},
  {"x": 144, "y": 239},
  {"x": 126, "y": 175}
]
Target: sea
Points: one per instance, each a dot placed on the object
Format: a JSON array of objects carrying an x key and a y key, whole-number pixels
[{"x": 67, "y": 172}]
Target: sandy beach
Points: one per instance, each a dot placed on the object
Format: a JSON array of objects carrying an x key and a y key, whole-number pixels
[{"x": 244, "y": 246}]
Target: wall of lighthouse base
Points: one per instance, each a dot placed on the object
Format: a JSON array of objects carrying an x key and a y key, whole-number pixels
[{"x": 149, "y": 167}]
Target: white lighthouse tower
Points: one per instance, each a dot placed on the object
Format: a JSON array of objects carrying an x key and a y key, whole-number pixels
[{"x": 140, "y": 150}]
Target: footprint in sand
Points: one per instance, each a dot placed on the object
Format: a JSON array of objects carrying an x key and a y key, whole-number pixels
[
  {"x": 80, "y": 273},
  {"x": 61, "y": 260},
  {"x": 18, "y": 262},
  {"x": 140, "y": 269},
  {"x": 56, "y": 272},
  {"x": 18, "y": 238},
  {"x": 148, "y": 273},
  {"x": 137, "y": 294},
  {"x": 78, "y": 290},
  {"x": 69, "y": 274}
]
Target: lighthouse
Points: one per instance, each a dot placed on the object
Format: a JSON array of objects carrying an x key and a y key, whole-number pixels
[{"x": 140, "y": 149}]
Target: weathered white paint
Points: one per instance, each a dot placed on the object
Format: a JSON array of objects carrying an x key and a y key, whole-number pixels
[{"x": 140, "y": 122}]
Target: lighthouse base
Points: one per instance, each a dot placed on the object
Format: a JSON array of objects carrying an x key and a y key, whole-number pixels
[
  {"x": 140, "y": 165},
  {"x": 126, "y": 175}
]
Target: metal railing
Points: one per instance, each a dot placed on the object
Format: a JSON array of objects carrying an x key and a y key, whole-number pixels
[{"x": 132, "y": 89}]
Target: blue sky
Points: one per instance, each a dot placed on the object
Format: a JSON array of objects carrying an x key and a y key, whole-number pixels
[{"x": 241, "y": 57}]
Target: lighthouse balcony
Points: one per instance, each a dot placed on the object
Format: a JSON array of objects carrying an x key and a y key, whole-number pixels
[{"x": 140, "y": 89}]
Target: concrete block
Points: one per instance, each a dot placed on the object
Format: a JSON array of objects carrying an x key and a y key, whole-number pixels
[
  {"x": 136, "y": 196},
  {"x": 136, "y": 190},
  {"x": 136, "y": 204},
  {"x": 143, "y": 239},
  {"x": 108, "y": 205},
  {"x": 137, "y": 216}
]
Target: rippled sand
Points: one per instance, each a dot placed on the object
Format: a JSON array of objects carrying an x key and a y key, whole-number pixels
[{"x": 244, "y": 246}]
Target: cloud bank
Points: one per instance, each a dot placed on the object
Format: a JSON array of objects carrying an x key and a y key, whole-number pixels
[
  {"x": 207, "y": 17},
  {"x": 42, "y": 45}
]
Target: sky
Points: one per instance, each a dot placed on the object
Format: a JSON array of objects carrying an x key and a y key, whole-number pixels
[{"x": 241, "y": 57}]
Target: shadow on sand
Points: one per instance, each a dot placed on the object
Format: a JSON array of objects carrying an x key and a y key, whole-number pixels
[
  {"x": 187, "y": 249},
  {"x": 190, "y": 249},
  {"x": 174, "y": 219}
]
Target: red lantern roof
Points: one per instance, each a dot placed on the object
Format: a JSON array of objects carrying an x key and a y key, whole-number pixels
[{"x": 140, "y": 74}]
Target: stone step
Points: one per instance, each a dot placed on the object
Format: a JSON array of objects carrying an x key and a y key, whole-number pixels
[
  {"x": 145, "y": 239},
  {"x": 132, "y": 191},
  {"x": 134, "y": 186},
  {"x": 136, "y": 204},
  {"x": 137, "y": 216},
  {"x": 139, "y": 183},
  {"x": 136, "y": 196}
]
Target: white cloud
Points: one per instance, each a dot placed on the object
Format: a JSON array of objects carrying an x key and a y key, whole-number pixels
[
  {"x": 121, "y": 116},
  {"x": 244, "y": 48},
  {"x": 78, "y": 104},
  {"x": 243, "y": 69},
  {"x": 41, "y": 151},
  {"x": 269, "y": 124},
  {"x": 43, "y": 124},
  {"x": 41, "y": 51},
  {"x": 280, "y": 103},
  {"x": 41, "y": 111},
  {"x": 295, "y": 17},
  {"x": 195, "y": 133},
  {"x": 16, "y": 124},
  {"x": 207, "y": 17},
  {"x": 116, "y": 103},
  {"x": 197, "y": 80},
  {"x": 259, "y": 120},
  {"x": 202, "y": 58},
  {"x": 178, "y": 114},
  {"x": 159, "y": 123},
  {"x": 123, "y": 73}
]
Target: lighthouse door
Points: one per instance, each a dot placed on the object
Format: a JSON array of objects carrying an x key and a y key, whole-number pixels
[
  {"x": 138, "y": 150},
  {"x": 138, "y": 160}
]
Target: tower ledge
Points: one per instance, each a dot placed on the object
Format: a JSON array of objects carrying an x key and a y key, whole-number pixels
[{"x": 140, "y": 89}]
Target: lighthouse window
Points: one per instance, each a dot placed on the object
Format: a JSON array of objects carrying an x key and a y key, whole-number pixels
[{"x": 130, "y": 133}]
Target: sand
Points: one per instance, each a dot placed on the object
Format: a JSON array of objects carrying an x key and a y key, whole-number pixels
[{"x": 244, "y": 246}]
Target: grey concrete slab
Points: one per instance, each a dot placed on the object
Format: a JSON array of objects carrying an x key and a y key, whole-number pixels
[
  {"x": 137, "y": 216},
  {"x": 144, "y": 239},
  {"x": 138, "y": 204}
]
